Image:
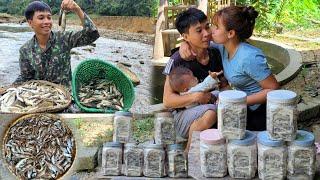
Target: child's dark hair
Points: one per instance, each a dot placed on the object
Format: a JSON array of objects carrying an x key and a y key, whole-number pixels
[
  {"x": 176, "y": 79},
  {"x": 238, "y": 18},
  {"x": 36, "y": 6},
  {"x": 189, "y": 17}
]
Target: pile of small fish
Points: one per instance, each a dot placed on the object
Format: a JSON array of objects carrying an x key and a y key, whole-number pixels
[
  {"x": 32, "y": 96},
  {"x": 39, "y": 147},
  {"x": 101, "y": 94}
]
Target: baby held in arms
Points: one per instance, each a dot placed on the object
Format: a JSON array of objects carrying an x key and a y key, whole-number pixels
[{"x": 182, "y": 80}]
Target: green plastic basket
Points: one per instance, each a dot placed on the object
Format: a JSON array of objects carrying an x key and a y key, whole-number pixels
[{"x": 95, "y": 68}]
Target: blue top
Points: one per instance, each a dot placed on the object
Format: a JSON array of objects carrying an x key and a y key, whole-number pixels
[
  {"x": 304, "y": 138},
  {"x": 245, "y": 69},
  {"x": 264, "y": 139},
  {"x": 248, "y": 139}
]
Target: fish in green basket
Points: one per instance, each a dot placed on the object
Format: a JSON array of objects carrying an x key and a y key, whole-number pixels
[{"x": 101, "y": 94}]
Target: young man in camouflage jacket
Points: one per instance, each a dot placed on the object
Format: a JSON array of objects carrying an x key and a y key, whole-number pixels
[{"x": 47, "y": 55}]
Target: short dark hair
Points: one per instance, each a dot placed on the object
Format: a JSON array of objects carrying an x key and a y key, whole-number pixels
[
  {"x": 189, "y": 17},
  {"x": 36, "y": 6},
  {"x": 176, "y": 79}
]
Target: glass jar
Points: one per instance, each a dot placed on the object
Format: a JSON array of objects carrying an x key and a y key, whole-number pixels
[
  {"x": 242, "y": 157},
  {"x": 165, "y": 132},
  {"x": 112, "y": 158},
  {"x": 122, "y": 124},
  {"x": 178, "y": 161},
  {"x": 133, "y": 160},
  {"x": 272, "y": 157},
  {"x": 282, "y": 115},
  {"x": 232, "y": 114},
  {"x": 154, "y": 157},
  {"x": 302, "y": 156},
  {"x": 213, "y": 153}
]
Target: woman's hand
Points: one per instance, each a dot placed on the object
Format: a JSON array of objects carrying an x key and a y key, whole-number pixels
[{"x": 186, "y": 52}]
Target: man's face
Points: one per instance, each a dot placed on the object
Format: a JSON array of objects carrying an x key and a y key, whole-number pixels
[
  {"x": 41, "y": 22},
  {"x": 198, "y": 35}
]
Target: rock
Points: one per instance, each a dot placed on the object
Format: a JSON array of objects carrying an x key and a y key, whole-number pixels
[
  {"x": 133, "y": 77},
  {"x": 87, "y": 159}
]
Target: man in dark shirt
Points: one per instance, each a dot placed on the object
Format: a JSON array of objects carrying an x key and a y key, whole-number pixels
[{"x": 194, "y": 28}]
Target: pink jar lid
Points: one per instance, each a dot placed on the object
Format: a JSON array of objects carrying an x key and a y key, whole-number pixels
[{"x": 212, "y": 136}]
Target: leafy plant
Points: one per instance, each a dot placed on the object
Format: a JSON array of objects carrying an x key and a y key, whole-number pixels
[{"x": 143, "y": 129}]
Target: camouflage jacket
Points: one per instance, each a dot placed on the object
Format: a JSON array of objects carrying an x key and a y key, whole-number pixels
[{"x": 53, "y": 63}]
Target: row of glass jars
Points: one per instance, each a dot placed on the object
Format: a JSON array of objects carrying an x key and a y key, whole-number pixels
[
  {"x": 281, "y": 114},
  {"x": 239, "y": 157},
  {"x": 148, "y": 161}
]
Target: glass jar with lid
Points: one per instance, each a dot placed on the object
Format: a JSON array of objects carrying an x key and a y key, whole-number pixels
[
  {"x": 165, "y": 132},
  {"x": 112, "y": 158},
  {"x": 213, "y": 153},
  {"x": 154, "y": 157},
  {"x": 272, "y": 157},
  {"x": 242, "y": 156},
  {"x": 302, "y": 156},
  {"x": 282, "y": 115},
  {"x": 133, "y": 160},
  {"x": 232, "y": 114},
  {"x": 122, "y": 124},
  {"x": 178, "y": 161}
]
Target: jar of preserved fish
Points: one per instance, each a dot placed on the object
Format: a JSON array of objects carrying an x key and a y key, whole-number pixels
[
  {"x": 154, "y": 157},
  {"x": 178, "y": 161},
  {"x": 165, "y": 132},
  {"x": 302, "y": 156},
  {"x": 122, "y": 124},
  {"x": 133, "y": 160},
  {"x": 112, "y": 158},
  {"x": 282, "y": 115},
  {"x": 272, "y": 157},
  {"x": 232, "y": 114},
  {"x": 242, "y": 156},
  {"x": 213, "y": 153}
]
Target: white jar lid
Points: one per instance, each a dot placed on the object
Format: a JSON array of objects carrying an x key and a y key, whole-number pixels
[
  {"x": 232, "y": 96},
  {"x": 281, "y": 96}
]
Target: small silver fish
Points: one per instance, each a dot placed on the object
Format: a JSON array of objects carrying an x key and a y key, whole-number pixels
[{"x": 62, "y": 20}]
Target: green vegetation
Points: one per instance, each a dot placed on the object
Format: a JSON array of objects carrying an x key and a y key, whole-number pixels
[
  {"x": 275, "y": 15},
  {"x": 143, "y": 129},
  {"x": 102, "y": 7}
]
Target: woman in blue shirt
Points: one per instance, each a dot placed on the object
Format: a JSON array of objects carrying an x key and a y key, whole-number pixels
[{"x": 245, "y": 66}]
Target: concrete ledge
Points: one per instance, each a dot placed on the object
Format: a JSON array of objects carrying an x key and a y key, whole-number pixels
[{"x": 286, "y": 55}]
